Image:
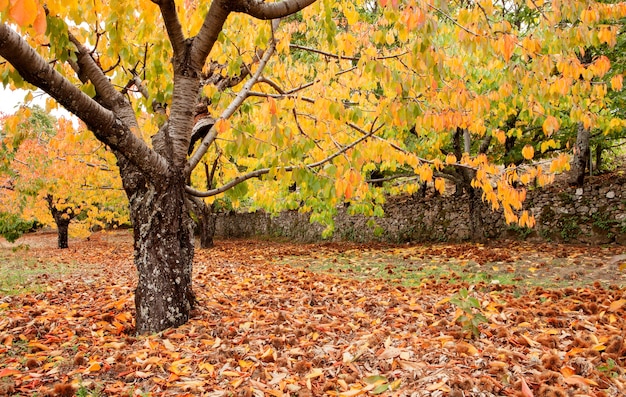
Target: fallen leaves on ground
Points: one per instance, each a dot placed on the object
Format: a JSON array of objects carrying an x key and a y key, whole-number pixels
[{"x": 264, "y": 328}]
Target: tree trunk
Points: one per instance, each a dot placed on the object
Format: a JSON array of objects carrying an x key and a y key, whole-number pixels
[
  {"x": 163, "y": 245},
  {"x": 476, "y": 211},
  {"x": 581, "y": 156},
  {"x": 62, "y": 219},
  {"x": 599, "y": 150},
  {"x": 62, "y": 232},
  {"x": 205, "y": 221},
  {"x": 207, "y": 232}
]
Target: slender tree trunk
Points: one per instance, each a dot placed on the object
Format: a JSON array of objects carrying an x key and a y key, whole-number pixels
[
  {"x": 207, "y": 232},
  {"x": 62, "y": 232},
  {"x": 599, "y": 150},
  {"x": 62, "y": 219},
  {"x": 581, "y": 156},
  {"x": 476, "y": 212},
  {"x": 163, "y": 245},
  {"x": 205, "y": 221}
]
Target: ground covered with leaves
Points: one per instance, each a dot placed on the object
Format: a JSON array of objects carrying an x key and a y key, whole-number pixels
[{"x": 281, "y": 319}]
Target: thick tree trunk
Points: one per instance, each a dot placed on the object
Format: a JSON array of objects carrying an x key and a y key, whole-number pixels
[
  {"x": 581, "y": 156},
  {"x": 163, "y": 245}
]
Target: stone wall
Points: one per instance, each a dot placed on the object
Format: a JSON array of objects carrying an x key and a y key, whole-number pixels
[{"x": 595, "y": 214}]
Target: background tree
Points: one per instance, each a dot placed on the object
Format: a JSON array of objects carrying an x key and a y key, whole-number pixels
[{"x": 54, "y": 174}]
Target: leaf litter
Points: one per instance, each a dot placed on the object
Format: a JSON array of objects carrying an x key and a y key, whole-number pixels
[{"x": 266, "y": 325}]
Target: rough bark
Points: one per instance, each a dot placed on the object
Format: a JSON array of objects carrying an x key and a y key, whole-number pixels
[
  {"x": 163, "y": 242},
  {"x": 581, "y": 156}
]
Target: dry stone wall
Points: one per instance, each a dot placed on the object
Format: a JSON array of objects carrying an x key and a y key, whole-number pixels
[{"x": 595, "y": 214}]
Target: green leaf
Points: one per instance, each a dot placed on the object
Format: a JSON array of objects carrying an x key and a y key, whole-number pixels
[
  {"x": 380, "y": 389},
  {"x": 375, "y": 378}
]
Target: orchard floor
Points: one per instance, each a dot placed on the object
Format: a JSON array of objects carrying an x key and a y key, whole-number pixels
[{"x": 281, "y": 319}]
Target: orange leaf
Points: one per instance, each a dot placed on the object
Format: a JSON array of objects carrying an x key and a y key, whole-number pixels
[
  {"x": 272, "y": 103},
  {"x": 94, "y": 367},
  {"x": 568, "y": 371},
  {"x": 580, "y": 381},
  {"x": 24, "y": 12},
  {"x": 616, "y": 305},
  {"x": 222, "y": 125},
  {"x": 526, "y": 392},
  {"x": 8, "y": 372},
  {"x": 40, "y": 23}
]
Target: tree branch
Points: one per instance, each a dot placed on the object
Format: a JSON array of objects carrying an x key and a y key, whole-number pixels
[
  {"x": 234, "y": 105},
  {"x": 209, "y": 31},
  {"x": 172, "y": 25},
  {"x": 110, "y": 97},
  {"x": 101, "y": 121},
  {"x": 262, "y": 10},
  {"x": 263, "y": 171}
]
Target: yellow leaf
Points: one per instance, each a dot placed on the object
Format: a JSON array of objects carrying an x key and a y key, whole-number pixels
[
  {"x": 352, "y": 16},
  {"x": 440, "y": 185},
  {"x": 389, "y": 38},
  {"x": 616, "y": 82},
  {"x": 315, "y": 373},
  {"x": 450, "y": 158},
  {"x": 528, "y": 152}
]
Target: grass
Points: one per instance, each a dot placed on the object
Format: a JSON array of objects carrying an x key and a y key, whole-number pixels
[
  {"x": 412, "y": 271},
  {"x": 20, "y": 273}
]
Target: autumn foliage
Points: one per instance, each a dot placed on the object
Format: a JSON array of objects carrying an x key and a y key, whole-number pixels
[{"x": 50, "y": 165}]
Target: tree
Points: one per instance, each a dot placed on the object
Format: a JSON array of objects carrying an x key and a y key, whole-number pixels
[
  {"x": 36, "y": 187},
  {"x": 289, "y": 102},
  {"x": 154, "y": 178}
]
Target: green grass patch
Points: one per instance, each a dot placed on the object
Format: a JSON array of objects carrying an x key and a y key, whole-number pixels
[
  {"x": 412, "y": 271},
  {"x": 21, "y": 273}
]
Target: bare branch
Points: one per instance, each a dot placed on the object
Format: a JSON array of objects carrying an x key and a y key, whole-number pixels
[
  {"x": 272, "y": 84},
  {"x": 453, "y": 20},
  {"x": 260, "y": 172},
  {"x": 326, "y": 54},
  {"x": 335, "y": 56}
]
